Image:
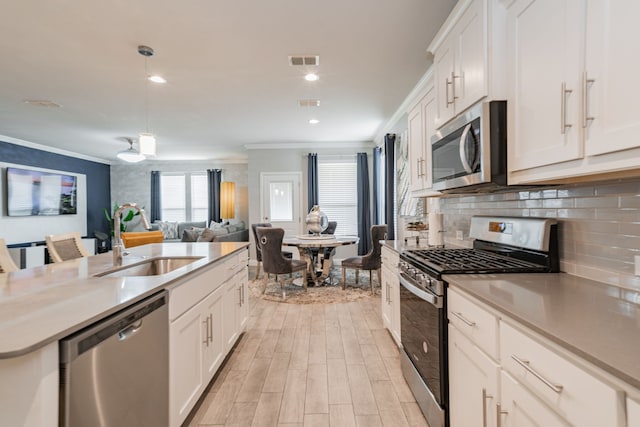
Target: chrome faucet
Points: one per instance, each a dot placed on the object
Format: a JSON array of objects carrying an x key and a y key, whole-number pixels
[{"x": 117, "y": 239}]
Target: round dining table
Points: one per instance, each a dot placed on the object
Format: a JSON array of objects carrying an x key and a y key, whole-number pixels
[{"x": 306, "y": 244}]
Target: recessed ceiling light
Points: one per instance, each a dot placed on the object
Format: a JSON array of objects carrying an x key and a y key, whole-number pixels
[
  {"x": 311, "y": 77},
  {"x": 314, "y": 121},
  {"x": 157, "y": 79}
]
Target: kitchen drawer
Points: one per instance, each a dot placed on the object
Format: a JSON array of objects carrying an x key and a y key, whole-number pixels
[
  {"x": 479, "y": 325},
  {"x": 187, "y": 294},
  {"x": 575, "y": 394}
]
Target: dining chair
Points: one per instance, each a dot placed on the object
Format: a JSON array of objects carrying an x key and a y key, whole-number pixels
[
  {"x": 6, "y": 262},
  {"x": 258, "y": 249},
  {"x": 370, "y": 261},
  {"x": 273, "y": 261},
  {"x": 63, "y": 247}
]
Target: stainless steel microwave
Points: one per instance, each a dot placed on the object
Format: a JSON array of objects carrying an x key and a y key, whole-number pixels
[{"x": 470, "y": 152}]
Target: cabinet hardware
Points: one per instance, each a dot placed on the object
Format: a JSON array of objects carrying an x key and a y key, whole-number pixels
[
  {"x": 586, "y": 118},
  {"x": 499, "y": 413},
  {"x": 464, "y": 319},
  {"x": 525, "y": 364},
  {"x": 240, "y": 296},
  {"x": 206, "y": 332},
  {"x": 563, "y": 107},
  {"x": 446, "y": 93},
  {"x": 210, "y": 327},
  {"x": 453, "y": 86},
  {"x": 418, "y": 167},
  {"x": 485, "y": 396}
]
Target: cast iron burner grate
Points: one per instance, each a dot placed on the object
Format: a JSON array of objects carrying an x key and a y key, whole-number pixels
[{"x": 454, "y": 261}]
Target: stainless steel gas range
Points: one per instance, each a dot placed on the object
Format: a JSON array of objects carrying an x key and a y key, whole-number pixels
[{"x": 501, "y": 245}]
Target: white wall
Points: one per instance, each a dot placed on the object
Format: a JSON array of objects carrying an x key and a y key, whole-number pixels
[{"x": 23, "y": 229}]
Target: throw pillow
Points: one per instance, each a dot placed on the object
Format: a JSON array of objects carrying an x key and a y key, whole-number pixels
[
  {"x": 208, "y": 234},
  {"x": 169, "y": 229},
  {"x": 190, "y": 235}
]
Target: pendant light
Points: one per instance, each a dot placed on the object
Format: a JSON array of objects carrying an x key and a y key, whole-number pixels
[
  {"x": 146, "y": 140},
  {"x": 130, "y": 155}
]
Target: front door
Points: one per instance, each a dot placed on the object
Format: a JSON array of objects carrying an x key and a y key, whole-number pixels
[{"x": 280, "y": 201}]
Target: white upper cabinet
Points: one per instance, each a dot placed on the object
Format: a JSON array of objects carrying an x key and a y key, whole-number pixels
[
  {"x": 610, "y": 84},
  {"x": 544, "y": 45},
  {"x": 460, "y": 59},
  {"x": 421, "y": 128},
  {"x": 571, "y": 89}
]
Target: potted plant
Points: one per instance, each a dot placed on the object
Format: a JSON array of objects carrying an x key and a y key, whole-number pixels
[{"x": 124, "y": 219}]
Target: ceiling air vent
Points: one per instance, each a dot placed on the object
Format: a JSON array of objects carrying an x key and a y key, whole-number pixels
[
  {"x": 308, "y": 103},
  {"x": 42, "y": 103},
  {"x": 297, "y": 60}
]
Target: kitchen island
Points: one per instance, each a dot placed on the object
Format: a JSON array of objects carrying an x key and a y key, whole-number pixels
[{"x": 39, "y": 306}]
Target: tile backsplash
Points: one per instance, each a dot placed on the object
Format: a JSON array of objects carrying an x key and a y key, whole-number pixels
[{"x": 599, "y": 223}]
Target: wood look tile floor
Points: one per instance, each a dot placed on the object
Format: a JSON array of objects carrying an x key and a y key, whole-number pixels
[{"x": 311, "y": 366}]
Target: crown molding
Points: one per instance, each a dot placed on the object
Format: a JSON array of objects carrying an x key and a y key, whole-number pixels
[
  {"x": 309, "y": 145},
  {"x": 41, "y": 147}
]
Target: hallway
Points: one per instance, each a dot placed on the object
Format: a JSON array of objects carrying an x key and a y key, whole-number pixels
[{"x": 311, "y": 365}]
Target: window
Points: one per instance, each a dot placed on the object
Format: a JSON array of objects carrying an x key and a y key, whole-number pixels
[
  {"x": 184, "y": 196},
  {"x": 338, "y": 193}
]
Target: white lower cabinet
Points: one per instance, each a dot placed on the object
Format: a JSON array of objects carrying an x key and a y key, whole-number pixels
[
  {"x": 473, "y": 383},
  {"x": 235, "y": 308},
  {"x": 29, "y": 388},
  {"x": 520, "y": 408},
  {"x": 529, "y": 382},
  {"x": 205, "y": 323},
  {"x": 391, "y": 293}
]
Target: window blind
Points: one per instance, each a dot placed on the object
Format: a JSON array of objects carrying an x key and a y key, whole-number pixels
[{"x": 337, "y": 185}]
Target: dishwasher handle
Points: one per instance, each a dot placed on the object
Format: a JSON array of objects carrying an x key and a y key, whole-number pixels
[{"x": 124, "y": 324}]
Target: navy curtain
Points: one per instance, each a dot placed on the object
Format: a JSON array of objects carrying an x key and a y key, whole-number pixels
[
  {"x": 364, "y": 205},
  {"x": 155, "y": 212},
  {"x": 389, "y": 183},
  {"x": 214, "y": 177},
  {"x": 376, "y": 188},
  {"x": 312, "y": 181}
]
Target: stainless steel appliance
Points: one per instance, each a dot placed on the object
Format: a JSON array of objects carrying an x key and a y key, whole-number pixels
[
  {"x": 115, "y": 372},
  {"x": 471, "y": 150},
  {"x": 501, "y": 245}
]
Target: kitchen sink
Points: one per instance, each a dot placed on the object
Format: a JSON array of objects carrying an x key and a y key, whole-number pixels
[{"x": 150, "y": 267}]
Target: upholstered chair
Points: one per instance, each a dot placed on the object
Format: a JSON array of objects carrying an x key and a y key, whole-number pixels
[
  {"x": 6, "y": 262},
  {"x": 273, "y": 261},
  {"x": 63, "y": 247},
  {"x": 258, "y": 250},
  {"x": 371, "y": 261}
]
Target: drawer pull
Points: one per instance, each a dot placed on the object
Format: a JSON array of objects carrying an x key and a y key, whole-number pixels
[
  {"x": 464, "y": 319},
  {"x": 525, "y": 364}
]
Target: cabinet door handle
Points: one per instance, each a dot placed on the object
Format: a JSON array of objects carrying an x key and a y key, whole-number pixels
[
  {"x": 453, "y": 87},
  {"x": 206, "y": 332},
  {"x": 586, "y": 118},
  {"x": 446, "y": 94},
  {"x": 464, "y": 319},
  {"x": 525, "y": 364},
  {"x": 418, "y": 167},
  {"x": 499, "y": 414},
  {"x": 563, "y": 107},
  {"x": 210, "y": 327},
  {"x": 485, "y": 396}
]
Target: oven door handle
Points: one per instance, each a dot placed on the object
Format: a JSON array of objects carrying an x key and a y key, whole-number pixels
[
  {"x": 423, "y": 295},
  {"x": 463, "y": 150}
]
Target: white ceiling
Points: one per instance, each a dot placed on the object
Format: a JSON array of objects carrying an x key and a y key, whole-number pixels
[{"x": 226, "y": 62}]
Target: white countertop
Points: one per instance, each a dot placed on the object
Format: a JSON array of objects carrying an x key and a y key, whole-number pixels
[
  {"x": 43, "y": 304},
  {"x": 596, "y": 321}
]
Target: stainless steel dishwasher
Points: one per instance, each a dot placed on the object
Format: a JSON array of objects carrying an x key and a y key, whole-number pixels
[{"x": 116, "y": 372}]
